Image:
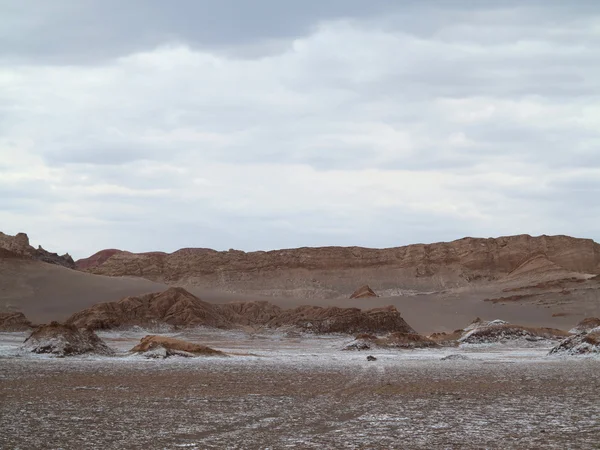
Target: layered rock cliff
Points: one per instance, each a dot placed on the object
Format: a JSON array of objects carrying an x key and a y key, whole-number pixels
[{"x": 335, "y": 271}]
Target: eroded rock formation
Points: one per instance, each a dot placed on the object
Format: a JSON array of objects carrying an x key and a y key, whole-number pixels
[
  {"x": 586, "y": 325},
  {"x": 18, "y": 247},
  {"x": 363, "y": 292},
  {"x": 65, "y": 340},
  {"x": 498, "y": 331},
  {"x": 399, "y": 340},
  {"x": 177, "y": 307},
  {"x": 332, "y": 271},
  {"x": 585, "y": 343},
  {"x": 153, "y": 346}
]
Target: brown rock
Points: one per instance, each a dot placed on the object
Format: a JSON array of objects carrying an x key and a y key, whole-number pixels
[
  {"x": 14, "y": 321},
  {"x": 18, "y": 247},
  {"x": 363, "y": 292},
  {"x": 178, "y": 307},
  {"x": 162, "y": 346},
  {"x": 342, "y": 320},
  {"x": 498, "y": 331},
  {"x": 175, "y": 306},
  {"x": 398, "y": 339},
  {"x": 96, "y": 259},
  {"x": 332, "y": 271},
  {"x": 580, "y": 344},
  {"x": 249, "y": 313},
  {"x": 65, "y": 340},
  {"x": 586, "y": 325}
]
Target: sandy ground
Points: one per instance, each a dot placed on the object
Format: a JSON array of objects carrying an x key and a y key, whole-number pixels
[
  {"x": 299, "y": 392},
  {"x": 45, "y": 292}
]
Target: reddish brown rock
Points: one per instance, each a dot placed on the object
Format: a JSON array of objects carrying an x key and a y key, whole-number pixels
[
  {"x": 163, "y": 346},
  {"x": 96, "y": 259},
  {"x": 174, "y": 306},
  {"x": 332, "y": 271},
  {"x": 177, "y": 307},
  {"x": 342, "y": 320},
  {"x": 363, "y": 292}
]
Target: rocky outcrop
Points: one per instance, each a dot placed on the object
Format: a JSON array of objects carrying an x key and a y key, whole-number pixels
[
  {"x": 259, "y": 313},
  {"x": 177, "y": 307},
  {"x": 585, "y": 343},
  {"x": 65, "y": 340},
  {"x": 332, "y": 271},
  {"x": 498, "y": 331},
  {"x": 398, "y": 340},
  {"x": 14, "y": 321},
  {"x": 342, "y": 320},
  {"x": 447, "y": 339},
  {"x": 153, "y": 346},
  {"x": 18, "y": 247},
  {"x": 363, "y": 292},
  {"x": 586, "y": 325},
  {"x": 96, "y": 259}
]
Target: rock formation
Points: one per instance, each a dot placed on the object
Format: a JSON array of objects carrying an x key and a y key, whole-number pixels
[
  {"x": 177, "y": 307},
  {"x": 342, "y": 320},
  {"x": 498, "y": 331},
  {"x": 332, "y": 271},
  {"x": 96, "y": 259},
  {"x": 14, "y": 321},
  {"x": 153, "y": 346},
  {"x": 65, "y": 340},
  {"x": 363, "y": 292},
  {"x": 581, "y": 344},
  {"x": 18, "y": 247},
  {"x": 447, "y": 339},
  {"x": 586, "y": 325},
  {"x": 399, "y": 340}
]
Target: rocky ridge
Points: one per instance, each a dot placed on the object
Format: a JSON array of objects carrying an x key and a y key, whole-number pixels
[
  {"x": 332, "y": 271},
  {"x": 179, "y": 308},
  {"x": 18, "y": 247}
]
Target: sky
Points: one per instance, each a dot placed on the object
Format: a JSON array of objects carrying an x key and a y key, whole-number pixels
[{"x": 153, "y": 125}]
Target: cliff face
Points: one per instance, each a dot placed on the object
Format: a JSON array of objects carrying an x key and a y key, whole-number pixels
[
  {"x": 335, "y": 271},
  {"x": 18, "y": 247}
]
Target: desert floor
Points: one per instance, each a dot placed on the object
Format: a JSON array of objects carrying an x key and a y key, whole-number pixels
[{"x": 297, "y": 392}]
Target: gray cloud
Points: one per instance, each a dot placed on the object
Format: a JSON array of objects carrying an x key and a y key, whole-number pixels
[{"x": 272, "y": 124}]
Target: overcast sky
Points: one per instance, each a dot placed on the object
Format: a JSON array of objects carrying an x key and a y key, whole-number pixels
[{"x": 153, "y": 125}]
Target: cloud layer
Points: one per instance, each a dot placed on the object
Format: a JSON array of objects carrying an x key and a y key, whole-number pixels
[{"x": 336, "y": 125}]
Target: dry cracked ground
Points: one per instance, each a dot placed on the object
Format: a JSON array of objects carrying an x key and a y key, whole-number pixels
[{"x": 299, "y": 393}]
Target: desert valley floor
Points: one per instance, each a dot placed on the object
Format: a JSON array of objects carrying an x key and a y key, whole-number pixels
[
  {"x": 299, "y": 391},
  {"x": 472, "y": 344}
]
